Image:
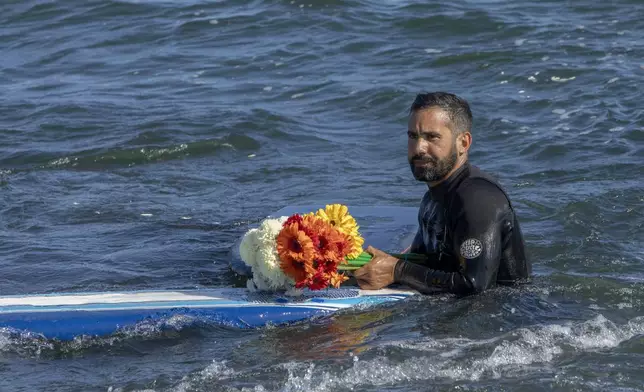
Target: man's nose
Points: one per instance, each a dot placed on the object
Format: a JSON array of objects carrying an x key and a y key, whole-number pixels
[{"x": 420, "y": 147}]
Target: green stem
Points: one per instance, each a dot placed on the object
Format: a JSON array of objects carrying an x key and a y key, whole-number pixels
[
  {"x": 348, "y": 267},
  {"x": 364, "y": 258}
]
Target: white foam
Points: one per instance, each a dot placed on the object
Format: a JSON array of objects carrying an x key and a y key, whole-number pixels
[
  {"x": 217, "y": 370},
  {"x": 519, "y": 42},
  {"x": 510, "y": 353},
  {"x": 458, "y": 359},
  {"x": 613, "y": 80},
  {"x": 59, "y": 162},
  {"x": 431, "y": 50},
  {"x": 561, "y": 80}
]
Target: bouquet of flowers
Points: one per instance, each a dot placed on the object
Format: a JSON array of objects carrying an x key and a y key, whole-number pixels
[{"x": 303, "y": 251}]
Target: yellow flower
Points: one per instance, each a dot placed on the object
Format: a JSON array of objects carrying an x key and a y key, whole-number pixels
[
  {"x": 357, "y": 246},
  {"x": 338, "y": 216}
]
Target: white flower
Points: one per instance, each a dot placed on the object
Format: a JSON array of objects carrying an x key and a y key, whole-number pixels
[
  {"x": 248, "y": 247},
  {"x": 269, "y": 271},
  {"x": 268, "y": 231},
  {"x": 261, "y": 283},
  {"x": 258, "y": 249}
]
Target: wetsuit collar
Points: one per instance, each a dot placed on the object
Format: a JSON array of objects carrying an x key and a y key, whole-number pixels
[{"x": 441, "y": 190}]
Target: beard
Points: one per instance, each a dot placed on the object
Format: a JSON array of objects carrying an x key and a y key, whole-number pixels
[{"x": 435, "y": 169}]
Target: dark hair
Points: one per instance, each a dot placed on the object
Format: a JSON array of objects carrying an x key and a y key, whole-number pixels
[{"x": 457, "y": 109}]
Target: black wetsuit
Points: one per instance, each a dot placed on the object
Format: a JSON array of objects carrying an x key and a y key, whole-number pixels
[{"x": 471, "y": 233}]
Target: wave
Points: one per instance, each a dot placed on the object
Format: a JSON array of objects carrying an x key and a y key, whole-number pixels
[
  {"x": 454, "y": 359},
  {"x": 96, "y": 160},
  {"x": 27, "y": 344}
]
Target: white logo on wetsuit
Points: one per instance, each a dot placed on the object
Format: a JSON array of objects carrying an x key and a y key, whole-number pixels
[{"x": 471, "y": 248}]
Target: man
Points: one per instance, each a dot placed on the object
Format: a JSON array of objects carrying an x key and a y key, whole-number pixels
[{"x": 467, "y": 226}]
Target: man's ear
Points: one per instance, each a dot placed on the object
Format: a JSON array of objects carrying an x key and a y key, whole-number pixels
[{"x": 463, "y": 142}]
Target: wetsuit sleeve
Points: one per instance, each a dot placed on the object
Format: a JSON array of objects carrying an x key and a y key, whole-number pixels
[
  {"x": 478, "y": 213},
  {"x": 417, "y": 245}
]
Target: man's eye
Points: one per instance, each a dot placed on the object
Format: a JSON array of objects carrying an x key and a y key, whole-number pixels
[
  {"x": 412, "y": 135},
  {"x": 430, "y": 136}
]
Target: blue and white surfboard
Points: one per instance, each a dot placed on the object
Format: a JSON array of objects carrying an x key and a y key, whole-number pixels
[
  {"x": 64, "y": 316},
  {"x": 67, "y": 315}
]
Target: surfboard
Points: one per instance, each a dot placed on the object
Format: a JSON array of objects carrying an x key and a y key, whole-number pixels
[{"x": 67, "y": 315}]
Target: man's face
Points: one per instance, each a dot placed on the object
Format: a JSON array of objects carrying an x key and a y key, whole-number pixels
[{"x": 431, "y": 146}]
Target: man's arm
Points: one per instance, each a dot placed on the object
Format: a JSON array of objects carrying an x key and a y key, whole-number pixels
[
  {"x": 477, "y": 240},
  {"x": 417, "y": 245}
]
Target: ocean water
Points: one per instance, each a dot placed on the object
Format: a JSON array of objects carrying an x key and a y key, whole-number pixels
[{"x": 140, "y": 139}]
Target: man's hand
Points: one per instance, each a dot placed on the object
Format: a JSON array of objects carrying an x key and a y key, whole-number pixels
[{"x": 378, "y": 273}]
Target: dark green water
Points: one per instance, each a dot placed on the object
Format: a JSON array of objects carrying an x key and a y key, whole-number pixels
[{"x": 139, "y": 139}]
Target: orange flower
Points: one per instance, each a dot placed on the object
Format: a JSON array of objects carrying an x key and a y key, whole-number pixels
[
  {"x": 330, "y": 242},
  {"x": 329, "y": 266},
  {"x": 328, "y": 249},
  {"x": 346, "y": 245},
  {"x": 319, "y": 281},
  {"x": 311, "y": 226},
  {"x": 296, "y": 270},
  {"x": 296, "y": 252},
  {"x": 336, "y": 279},
  {"x": 312, "y": 223}
]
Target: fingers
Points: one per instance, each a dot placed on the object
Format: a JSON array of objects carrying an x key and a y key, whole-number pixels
[
  {"x": 366, "y": 285},
  {"x": 363, "y": 278},
  {"x": 373, "y": 251},
  {"x": 360, "y": 273}
]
